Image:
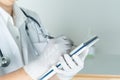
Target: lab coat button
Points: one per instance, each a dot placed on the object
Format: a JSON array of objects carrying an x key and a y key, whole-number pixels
[{"x": 17, "y": 37}]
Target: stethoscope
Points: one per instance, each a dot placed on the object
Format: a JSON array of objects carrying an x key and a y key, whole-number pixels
[{"x": 5, "y": 61}]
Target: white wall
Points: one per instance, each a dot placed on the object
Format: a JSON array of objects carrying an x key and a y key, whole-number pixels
[{"x": 79, "y": 19}]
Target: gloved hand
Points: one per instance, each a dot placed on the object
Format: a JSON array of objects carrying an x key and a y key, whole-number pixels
[
  {"x": 57, "y": 46},
  {"x": 70, "y": 65},
  {"x": 54, "y": 49}
]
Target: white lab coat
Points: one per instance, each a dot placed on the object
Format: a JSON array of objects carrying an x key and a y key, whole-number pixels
[{"x": 9, "y": 48}]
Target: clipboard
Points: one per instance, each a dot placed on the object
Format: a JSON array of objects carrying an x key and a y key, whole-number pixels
[{"x": 76, "y": 51}]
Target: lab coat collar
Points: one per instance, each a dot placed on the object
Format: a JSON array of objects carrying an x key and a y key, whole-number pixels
[
  {"x": 5, "y": 16},
  {"x": 19, "y": 16}
]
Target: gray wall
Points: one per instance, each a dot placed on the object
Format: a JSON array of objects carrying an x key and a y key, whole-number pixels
[{"x": 79, "y": 20}]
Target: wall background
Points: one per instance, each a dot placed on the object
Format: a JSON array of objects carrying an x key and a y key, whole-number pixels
[{"x": 79, "y": 20}]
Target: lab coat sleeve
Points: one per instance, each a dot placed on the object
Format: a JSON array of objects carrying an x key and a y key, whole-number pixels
[
  {"x": 33, "y": 33},
  {"x": 37, "y": 18}
]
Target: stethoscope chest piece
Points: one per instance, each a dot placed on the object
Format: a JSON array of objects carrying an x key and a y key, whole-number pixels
[{"x": 4, "y": 61}]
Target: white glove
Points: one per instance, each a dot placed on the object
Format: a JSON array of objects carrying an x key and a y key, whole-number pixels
[
  {"x": 54, "y": 49},
  {"x": 70, "y": 65}
]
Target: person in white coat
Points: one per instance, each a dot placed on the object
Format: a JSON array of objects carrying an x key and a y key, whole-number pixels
[{"x": 27, "y": 51}]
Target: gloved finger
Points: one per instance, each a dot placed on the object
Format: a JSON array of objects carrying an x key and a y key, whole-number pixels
[
  {"x": 63, "y": 47},
  {"x": 67, "y": 39},
  {"x": 78, "y": 61},
  {"x": 64, "y": 64},
  {"x": 70, "y": 41},
  {"x": 64, "y": 40},
  {"x": 62, "y": 72},
  {"x": 60, "y": 45},
  {"x": 84, "y": 54},
  {"x": 69, "y": 61},
  {"x": 62, "y": 37},
  {"x": 59, "y": 71},
  {"x": 63, "y": 44}
]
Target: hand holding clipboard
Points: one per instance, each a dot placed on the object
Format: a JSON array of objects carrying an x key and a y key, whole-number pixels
[{"x": 76, "y": 51}]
